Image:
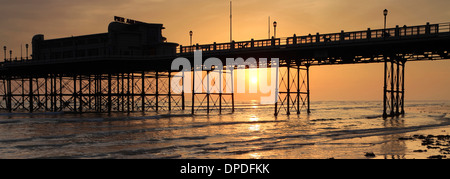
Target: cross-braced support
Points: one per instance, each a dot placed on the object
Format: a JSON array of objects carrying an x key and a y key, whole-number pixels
[
  {"x": 3, "y": 93},
  {"x": 121, "y": 92},
  {"x": 216, "y": 89},
  {"x": 293, "y": 88},
  {"x": 394, "y": 84}
]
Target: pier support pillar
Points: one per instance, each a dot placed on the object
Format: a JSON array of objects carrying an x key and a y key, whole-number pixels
[
  {"x": 75, "y": 94},
  {"x": 394, "y": 84},
  {"x": 80, "y": 94},
  {"x": 157, "y": 90},
  {"x": 143, "y": 89},
  {"x": 109, "y": 93},
  {"x": 8, "y": 94},
  {"x": 214, "y": 92},
  {"x": 31, "y": 95},
  {"x": 293, "y": 88}
]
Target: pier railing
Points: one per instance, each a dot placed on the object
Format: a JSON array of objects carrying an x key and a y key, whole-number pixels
[{"x": 313, "y": 39}]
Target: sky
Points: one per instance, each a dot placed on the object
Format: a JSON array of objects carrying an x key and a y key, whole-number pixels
[{"x": 209, "y": 20}]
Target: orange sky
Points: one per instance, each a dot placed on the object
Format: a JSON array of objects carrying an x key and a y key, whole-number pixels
[{"x": 209, "y": 20}]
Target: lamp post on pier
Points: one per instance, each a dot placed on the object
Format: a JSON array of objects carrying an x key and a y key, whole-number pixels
[
  {"x": 190, "y": 34},
  {"x": 4, "y": 50},
  {"x": 26, "y": 46},
  {"x": 275, "y": 29},
  {"x": 385, "y": 13}
]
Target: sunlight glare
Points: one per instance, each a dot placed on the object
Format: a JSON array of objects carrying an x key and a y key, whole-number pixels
[{"x": 254, "y": 80}]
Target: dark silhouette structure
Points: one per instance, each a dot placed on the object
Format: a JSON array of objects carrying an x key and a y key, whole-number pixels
[{"x": 128, "y": 68}]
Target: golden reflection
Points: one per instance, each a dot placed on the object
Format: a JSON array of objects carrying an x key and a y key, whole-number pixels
[
  {"x": 255, "y": 127},
  {"x": 393, "y": 148},
  {"x": 254, "y": 118},
  {"x": 255, "y": 155}
]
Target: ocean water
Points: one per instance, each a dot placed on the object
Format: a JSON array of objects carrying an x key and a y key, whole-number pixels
[{"x": 334, "y": 129}]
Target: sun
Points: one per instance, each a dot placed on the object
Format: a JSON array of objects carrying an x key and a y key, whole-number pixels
[{"x": 254, "y": 80}]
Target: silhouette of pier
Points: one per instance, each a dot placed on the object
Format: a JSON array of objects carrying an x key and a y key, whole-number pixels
[{"x": 128, "y": 69}]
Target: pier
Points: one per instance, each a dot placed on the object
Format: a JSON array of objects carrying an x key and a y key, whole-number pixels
[{"x": 128, "y": 69}]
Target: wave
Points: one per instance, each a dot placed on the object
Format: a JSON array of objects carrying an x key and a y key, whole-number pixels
[
  {"x": 269, "y": 147},
  {"x": 9, "y": 121},
  {"x": 357, "y": 133},
  {"x": 187, "y": 138},
  {"x": 372, "y": 116},
  {"x": 111, "y": 133},
  {"x": 31, "y": 114},
  {"x": 82, "y": 119},
  {"x": 440, "y": 116},
  {"x": 325, "y": 119},
  {"x": 37, "y": 138},
  {"x": 346, "y": 108},
  {"x": 42, "y": 146}
]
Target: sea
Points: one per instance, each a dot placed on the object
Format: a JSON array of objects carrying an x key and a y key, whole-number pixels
[{"x": 333, "y": 130}]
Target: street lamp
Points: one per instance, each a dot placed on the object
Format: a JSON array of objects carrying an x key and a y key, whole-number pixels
[
  {"x": 10, "y": 55},
  {"x": 26, "y": 46},
  {"x": 190, "y": 34},
  {"x": 385, "y": 13},
  {"x": 275, "y": 29},
  {"x": 4, "y": 50}
]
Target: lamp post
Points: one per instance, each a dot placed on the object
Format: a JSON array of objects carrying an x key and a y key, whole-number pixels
[
  {"x": 4, "y": 50},
  {"x": 10, "y": 55},
  {"x": 190, "y": 34},
  {"x": 385, "y": 13},
  {"x": 26, "y": 46},
  {"x": 275, "y": 29}
]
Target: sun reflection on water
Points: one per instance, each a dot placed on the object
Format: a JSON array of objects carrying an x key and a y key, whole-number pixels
[
  {"x": 255, "y": 127},
  {"x": 255, "y": 155},
  {"x": 254, "y": 118}
]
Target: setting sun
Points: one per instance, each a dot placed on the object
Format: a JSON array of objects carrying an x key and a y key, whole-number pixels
[{"x": 254, "y": 80}]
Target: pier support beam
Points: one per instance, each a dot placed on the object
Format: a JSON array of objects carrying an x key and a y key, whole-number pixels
[
  {"x": 394, "y": 84},
  {"x": 143, "y": 89},
  {"x": 80, "y": 93},
  {"x": 46, "y": 93},
  {"x": 169, "y": 91},
  {"x": 183, "y": 107},
  {"x": 8, "y": 94},
  {"x": 293, "y": 88},
  {"x": 157, "y": 90},
  {"x": 3, "y": 94},
  {"x": 30, "y": 94},
  {"x": 102, "y": 92},
  {"x": 193, "y": 92},
  {"x": 109, "y": 93},
  {"x": 213, "y": 93},
  {"x": 75, "y": 93}
]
